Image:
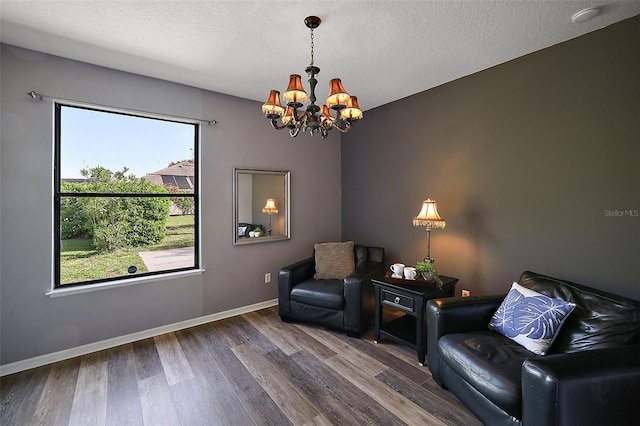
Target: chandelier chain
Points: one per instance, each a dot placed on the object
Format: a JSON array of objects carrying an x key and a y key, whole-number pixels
[{"x": 311, "y": 46}]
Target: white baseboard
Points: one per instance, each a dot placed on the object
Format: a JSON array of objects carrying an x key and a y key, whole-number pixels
[{"x": 41, "y": 360}]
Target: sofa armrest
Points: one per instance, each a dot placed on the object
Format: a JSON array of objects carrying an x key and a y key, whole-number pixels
[
  {"x": 455, "y": 315},
  {"x": 289, "y": 277},
  {"x": 359, "y": 297},
  {"x": 363, "y": 275},
  {"x": 594, "y": 387}
]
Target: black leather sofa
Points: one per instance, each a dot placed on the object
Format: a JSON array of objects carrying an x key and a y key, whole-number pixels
[
  {"x": 346, "y": 304},
  {"x": 591, "y": 376}
]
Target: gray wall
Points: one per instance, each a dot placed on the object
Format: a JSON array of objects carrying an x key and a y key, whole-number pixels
[
  {"x": 523, "y": 160},
  {"x": 32, "y": 323}
]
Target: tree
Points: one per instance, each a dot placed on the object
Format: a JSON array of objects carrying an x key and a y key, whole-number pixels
[
  {"x": 114, "y": 221},
  {"x": 173, "y": 163},
  {"x": 185, "y": 204}
]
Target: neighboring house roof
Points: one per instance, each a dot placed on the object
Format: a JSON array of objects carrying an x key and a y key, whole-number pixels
[
  {"x": 181, "y": 175},
  {"x": 185, "y": 168}
]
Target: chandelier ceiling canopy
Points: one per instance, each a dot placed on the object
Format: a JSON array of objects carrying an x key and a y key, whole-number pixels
[{"x": 340, "y": 111}]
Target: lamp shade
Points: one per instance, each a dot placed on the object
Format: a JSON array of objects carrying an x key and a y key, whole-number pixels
[
  {"x": 272, "y": 107},
  {"x": 270, "y": 207},
  {"x": 325, "y": 117},
  {"x": 428, "y": 216},
  {"x": 288, "y": 116},
  {"x": 337, "y": 94},
  {"x": 295, "y": 93},
  {"x": 352, "y": 111}
]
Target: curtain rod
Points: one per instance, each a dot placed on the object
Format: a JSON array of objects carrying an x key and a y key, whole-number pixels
[{"x": 39, "y": 96}]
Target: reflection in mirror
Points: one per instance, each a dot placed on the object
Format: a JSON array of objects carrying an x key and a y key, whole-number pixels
[{"x": 260, "y": 206}]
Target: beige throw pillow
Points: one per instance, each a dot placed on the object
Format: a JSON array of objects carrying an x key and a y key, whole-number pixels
[{"x": 334, "y": 261}]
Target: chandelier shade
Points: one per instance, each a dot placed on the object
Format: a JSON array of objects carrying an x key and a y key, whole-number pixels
[
  {"x": 337, "y": 94},
  {"x": 272, "y": 107},
  {"x": 326, "y": 115},
  {"x": 340, "y": 112},
  {"x": 352, "y": 111},
  {"x": 295, "y": 94},
  {"x": 288, "y": 116}
]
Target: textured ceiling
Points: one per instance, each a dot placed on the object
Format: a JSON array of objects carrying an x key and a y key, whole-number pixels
[{"x": 382, "y": 50}]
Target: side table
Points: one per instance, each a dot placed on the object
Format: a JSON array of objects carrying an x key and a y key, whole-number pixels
[{"x": 409, "y": 297}]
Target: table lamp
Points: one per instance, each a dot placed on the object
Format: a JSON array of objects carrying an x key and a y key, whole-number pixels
[
  {"x": 270, "y": 208},
  {"x": 430, "y": 219}
]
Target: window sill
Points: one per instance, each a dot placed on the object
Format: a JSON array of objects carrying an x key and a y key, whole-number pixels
[{"x": 59, "y": 292}]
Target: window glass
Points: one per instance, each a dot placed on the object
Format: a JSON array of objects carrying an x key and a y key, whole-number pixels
[{"x": 126, "y": 195}]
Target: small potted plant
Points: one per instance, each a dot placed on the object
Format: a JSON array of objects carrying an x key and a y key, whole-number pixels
[
  {"x": 428, "y": 272},
  {"x": 257, "y": 232}
]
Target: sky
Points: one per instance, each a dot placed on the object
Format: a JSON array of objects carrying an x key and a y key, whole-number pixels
[{"x": 92, "y": 138}]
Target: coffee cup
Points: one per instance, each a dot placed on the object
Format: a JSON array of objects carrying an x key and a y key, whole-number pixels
[
  {"x": 397, "y": 269},
  {"x": 410, "y": 273}
]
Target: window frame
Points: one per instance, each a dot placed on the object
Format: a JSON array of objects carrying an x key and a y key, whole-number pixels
[{"x": 58, "y": 195}]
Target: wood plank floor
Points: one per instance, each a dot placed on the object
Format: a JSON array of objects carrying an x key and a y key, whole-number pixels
[{"x": 251, "y": 369}]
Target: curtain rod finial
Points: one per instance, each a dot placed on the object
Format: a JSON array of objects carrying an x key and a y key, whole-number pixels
[{"x": 35, "y": 95}]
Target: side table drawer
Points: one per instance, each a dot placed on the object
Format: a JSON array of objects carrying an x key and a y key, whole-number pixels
[{"x": 398, "y": 301}]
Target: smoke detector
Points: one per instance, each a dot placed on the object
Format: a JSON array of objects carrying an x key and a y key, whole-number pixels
[{"x": 585, "y": 15}]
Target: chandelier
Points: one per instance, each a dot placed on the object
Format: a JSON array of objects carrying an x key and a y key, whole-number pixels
[{"x": 313, "y": 118}]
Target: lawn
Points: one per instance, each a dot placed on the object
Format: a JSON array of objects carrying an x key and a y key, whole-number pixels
[
  {"x": 179, "y": 233},
  {"x": 79, "y": 261}
]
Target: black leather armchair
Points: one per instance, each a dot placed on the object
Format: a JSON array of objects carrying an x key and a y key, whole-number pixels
[
  {"x": 346, "y": 304},
  {"x": 590, "y": 377}
]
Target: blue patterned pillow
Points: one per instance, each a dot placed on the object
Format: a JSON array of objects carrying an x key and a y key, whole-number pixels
[{"x": 531, "y": 319}]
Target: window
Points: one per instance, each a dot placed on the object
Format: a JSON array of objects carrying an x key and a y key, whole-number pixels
[{"x": 125, "y": 196}]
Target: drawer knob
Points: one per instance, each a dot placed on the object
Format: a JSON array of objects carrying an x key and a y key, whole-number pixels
[{"x": 397, "y": 300}]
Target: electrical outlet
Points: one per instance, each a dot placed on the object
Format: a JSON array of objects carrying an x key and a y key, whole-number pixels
[
  {"x": 267, "y": 277},
  {"x": 466, "y": 293}
]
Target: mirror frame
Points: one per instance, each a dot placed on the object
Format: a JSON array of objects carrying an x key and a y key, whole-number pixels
[{"x": 285, "y": 205}]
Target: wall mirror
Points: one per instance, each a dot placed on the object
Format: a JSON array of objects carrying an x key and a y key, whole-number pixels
[{"x": 260, "y": 206}]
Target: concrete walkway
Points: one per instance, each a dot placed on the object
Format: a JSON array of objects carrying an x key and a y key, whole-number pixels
[{"x": 162, "y": 260}]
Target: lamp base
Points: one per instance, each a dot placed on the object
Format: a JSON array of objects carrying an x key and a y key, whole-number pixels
[{"x": 429, "y": 259}]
